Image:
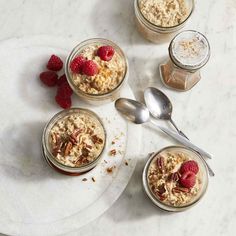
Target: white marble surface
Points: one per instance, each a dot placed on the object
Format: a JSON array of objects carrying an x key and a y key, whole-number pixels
[{"x": 206, "y": 113}]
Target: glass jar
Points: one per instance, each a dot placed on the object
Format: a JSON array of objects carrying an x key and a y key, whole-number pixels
[
  {"x": 188, "y": 51},
  {"x": 97, "y": 98},
  {"x": 156, "y": 33},
  {"x": 47, "y": 148},
  {"x": 196, "y": 193}
]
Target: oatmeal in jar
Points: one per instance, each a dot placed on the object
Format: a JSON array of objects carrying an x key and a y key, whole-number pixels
[
  {"x": 174, "y": 178},
  {"x": 102, "y": 71},
  {"x": 159, "y": 20},
  {"x": 77, "y": 139},
  {"x": 164, "y": 13}
]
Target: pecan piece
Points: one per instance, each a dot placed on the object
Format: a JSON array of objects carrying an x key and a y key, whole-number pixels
[
  {"x": 160, "y": 163},
  {"x": 85, "y": 152},
  {"x": 112, "y": 152},
  {"x": 72, "y": 140},
  {"x": 174, "y": 177},
  {"x": 88, "y": 146},
  {"x": 180, "y": 190},
  {"x": 161, "y": 189},
  {"x": 96, "y": 139},
  {"x": 68, "y": 147}
]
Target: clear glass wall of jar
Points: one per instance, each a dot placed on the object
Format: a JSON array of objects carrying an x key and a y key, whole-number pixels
[
  {"x": 188, "y": 51},
  {"x": 155, "y": 33}
]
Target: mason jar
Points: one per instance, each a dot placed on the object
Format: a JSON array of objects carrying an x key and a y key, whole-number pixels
[
  {"x": 96, "y": 98},
  {"x": 157, "y": 33},
  {"x": 64, "y": 163},
  {"x": 175, "y": 201},
  {"x": 188, "y": 52}
]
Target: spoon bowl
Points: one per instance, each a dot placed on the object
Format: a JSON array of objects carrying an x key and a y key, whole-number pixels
[
  {"x": 160, "y": 106},
  {"x": 158, "y": 103},
  {"x": 133, "y": 110}
]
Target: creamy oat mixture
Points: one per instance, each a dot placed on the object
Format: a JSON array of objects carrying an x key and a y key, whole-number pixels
[
  {"x": 110, "y": 74},
  {"x": 77, "y": 139},
  {"x": 163, "y": 179},
  {"x": 164, "y": 13}
]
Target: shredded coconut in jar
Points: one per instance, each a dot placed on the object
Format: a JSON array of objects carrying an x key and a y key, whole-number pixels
[{"x": 165, "y": 13}]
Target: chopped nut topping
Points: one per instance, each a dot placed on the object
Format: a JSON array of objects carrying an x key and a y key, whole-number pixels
[
  {"x": 110, "y": 169},
  {"x": 113, "y": 152},
  {"x": 73, "y": 146}
]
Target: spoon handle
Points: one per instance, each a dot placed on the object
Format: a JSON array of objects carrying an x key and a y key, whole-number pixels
[
  {"x": 182, "y": 140},
  {"x": 179, "y": 131}
]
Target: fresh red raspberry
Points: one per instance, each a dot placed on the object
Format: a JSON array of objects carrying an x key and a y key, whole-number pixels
[
  {"x": 64, "y": 90},
  {"x": 49, "y": 78},
  {"x": 106, "y": 53},
  {"x": 76, "y": 64},
  {"x": 61, "y": 80},
  {"x": 188, "y": 179},
  {"x": 90, "y": 68},
  {"x": 63, "y": 102},
  {"x": 55, "y": 63},
  {"x": 189, "y": 166}
]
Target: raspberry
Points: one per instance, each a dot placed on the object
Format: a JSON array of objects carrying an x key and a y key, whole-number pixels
[
  {"x": 55, "y": 63},
  {"x": 49, "y": 78},
  {"x": 62, "y": 79},
  {"x": 106, "y": 53},
  {"x": 188, "y": 179},
  {"x": 90, "y": 68},
  {"x": 76, "y": 64},
  {"x": 64, "y": 90},
  {"x": 63, "y": 102},
  {"x": 189, "y": 166}
]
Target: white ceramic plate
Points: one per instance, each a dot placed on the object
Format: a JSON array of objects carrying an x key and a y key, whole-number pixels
[{"x": 34, "y": 199}]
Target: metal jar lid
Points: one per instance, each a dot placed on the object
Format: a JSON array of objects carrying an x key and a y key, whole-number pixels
[{"x": 189, "y": 50}]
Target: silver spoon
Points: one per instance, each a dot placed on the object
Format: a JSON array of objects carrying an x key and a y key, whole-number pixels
[
  {"x": 138, "y": 113},
  {"x": 160, "y": 106}
]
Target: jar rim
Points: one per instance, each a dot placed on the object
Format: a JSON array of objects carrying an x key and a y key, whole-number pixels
[
  {"x": 195, "y": 66},
  {"x": 73, "y": 53},
  {"x": 162, "y": 29},
  {"x": 154, "y": 199}
]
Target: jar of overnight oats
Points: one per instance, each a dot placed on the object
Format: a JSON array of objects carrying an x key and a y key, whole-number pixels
[
  {"x": 188, "y": 51},
  {"x": 175, "y": 178},
  {"x": 73, "y": 141},
  {"x": 159, "y": 20},
  {"x": 110, "y": 73}
]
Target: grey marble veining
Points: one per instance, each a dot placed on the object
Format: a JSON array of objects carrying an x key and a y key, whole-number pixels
[{"x": 206, "y": 113}]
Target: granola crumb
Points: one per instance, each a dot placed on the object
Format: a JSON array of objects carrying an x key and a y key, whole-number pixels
[
  {"x": 113, "y": 152},
  {"x": 110, "y": 169}
]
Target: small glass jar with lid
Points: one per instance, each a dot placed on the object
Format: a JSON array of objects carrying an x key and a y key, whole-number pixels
[{"x": 188, "y": 51}]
